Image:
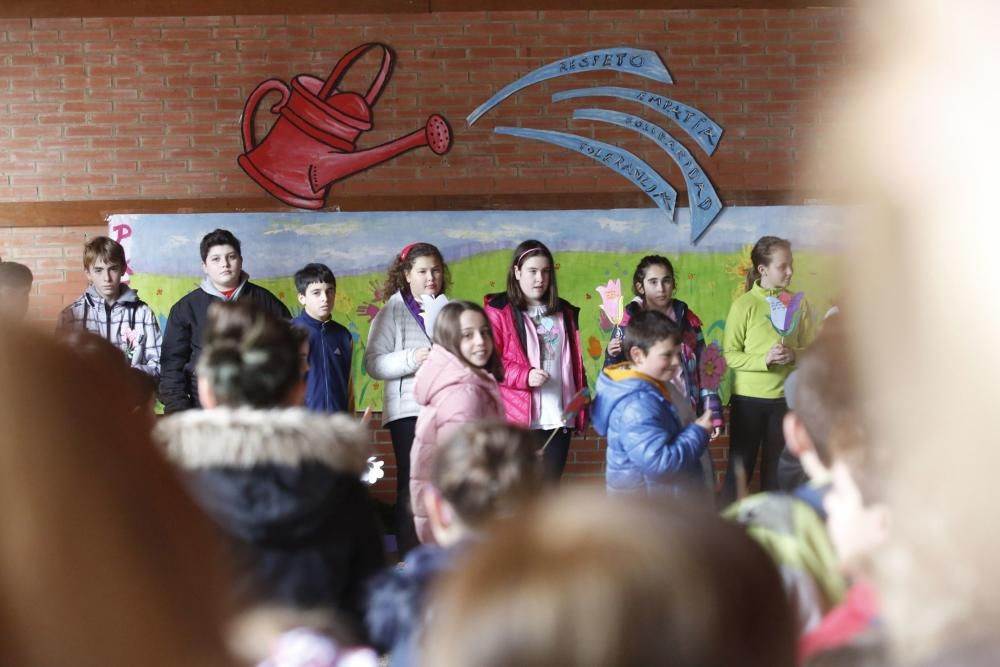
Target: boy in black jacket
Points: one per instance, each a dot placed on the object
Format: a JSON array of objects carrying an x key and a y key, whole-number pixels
[{"x": 225, "y": 280}]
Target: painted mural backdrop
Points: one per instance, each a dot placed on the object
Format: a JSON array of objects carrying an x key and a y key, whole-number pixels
[{"x": 590, "y": 248}]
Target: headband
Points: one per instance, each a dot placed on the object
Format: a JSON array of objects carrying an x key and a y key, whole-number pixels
[
  {"x": 406, "y": 251},
  {"x": 526, "y": 252}
]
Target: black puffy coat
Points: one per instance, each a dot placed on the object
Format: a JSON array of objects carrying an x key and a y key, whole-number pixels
[{"x": 284, "y": 486}]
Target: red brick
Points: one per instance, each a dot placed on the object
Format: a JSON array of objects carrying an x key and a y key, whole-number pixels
[{"x": 84, "y": 35}]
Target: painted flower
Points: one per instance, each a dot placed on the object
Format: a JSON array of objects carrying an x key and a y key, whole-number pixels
[
  {"x": 713, "y": 367},
  {"x": 612, "y": 302},
  {"x": 594, "y": 348},
  {"x": 740, "y": 269}
]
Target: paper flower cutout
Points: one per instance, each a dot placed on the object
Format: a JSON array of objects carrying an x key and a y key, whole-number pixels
[
  {"x": 577, "y": 403},
  {"x": 432, "y": 305},
  {"x": 713, "y": 367},
  {"x": 130, "y": 339},
  {"x": 374, "y": 472},
  {"x": 786, "y": 312},
  {"x": 612, "y": 302}
]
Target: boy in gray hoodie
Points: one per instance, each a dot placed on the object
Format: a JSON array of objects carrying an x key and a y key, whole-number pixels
[{"x": 114, "y": 311}]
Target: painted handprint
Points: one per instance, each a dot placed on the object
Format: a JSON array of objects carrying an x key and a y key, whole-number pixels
[{"x": 369, "y": 310}]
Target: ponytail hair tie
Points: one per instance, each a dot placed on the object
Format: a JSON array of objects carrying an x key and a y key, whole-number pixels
[
  {"x": 406, "y": 251},
  {"x": 526, "y": 252}
]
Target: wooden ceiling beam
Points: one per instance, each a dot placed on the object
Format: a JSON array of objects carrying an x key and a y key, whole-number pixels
[{"x": 117, "y": 8}]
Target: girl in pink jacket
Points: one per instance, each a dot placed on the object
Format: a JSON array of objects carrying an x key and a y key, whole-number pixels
[
  {"x": 457, "y": 384},
  {"x": 538, "y": 340}
]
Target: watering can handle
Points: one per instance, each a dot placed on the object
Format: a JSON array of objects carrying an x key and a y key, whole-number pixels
[
  {"x": 344, "y": 63},
  {"x": 250, "y": 109}
]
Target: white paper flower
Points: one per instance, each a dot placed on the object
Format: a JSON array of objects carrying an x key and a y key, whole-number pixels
[
  {"x": 432, "y": 306},
  {"x": 374, "y": 472}
]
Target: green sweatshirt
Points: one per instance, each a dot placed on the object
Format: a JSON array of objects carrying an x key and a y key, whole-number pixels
[{"x": 748, "y": 338}]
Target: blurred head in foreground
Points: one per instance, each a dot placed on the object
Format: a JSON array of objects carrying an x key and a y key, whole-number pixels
[
  {"x": 925, "y": 243},
  {"x": 581, "y": 579},
  {"x": 103, "y": 559}
]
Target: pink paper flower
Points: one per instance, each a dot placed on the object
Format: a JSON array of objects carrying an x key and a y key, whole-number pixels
[
  {"x": 130, "y": 337},
  {"x": 713, "y": 367},
  {"x": 612, "y": 302}
]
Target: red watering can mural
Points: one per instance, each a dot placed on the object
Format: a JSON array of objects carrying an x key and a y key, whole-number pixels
[{"x": 311, "y": 145}]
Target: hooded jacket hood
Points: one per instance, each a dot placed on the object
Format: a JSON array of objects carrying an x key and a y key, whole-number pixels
[
  {"x": 125, "y": 295},
  {"x": 284, "y": 486},
  {"x": 441, "y": 370},
  {"x": 616, "y": 383},
  {"x": 208, "y": 286},
  {"x": 266, "y": 474}
]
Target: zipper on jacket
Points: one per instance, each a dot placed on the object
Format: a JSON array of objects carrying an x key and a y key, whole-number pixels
[{"x": 107, "y": 316}]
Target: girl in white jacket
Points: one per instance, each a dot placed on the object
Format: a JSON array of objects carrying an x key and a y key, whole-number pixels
[{"x": 398, "y": 343}]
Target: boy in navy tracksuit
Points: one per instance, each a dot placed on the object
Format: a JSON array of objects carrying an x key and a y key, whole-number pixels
[{"x": 328, "y": 381}]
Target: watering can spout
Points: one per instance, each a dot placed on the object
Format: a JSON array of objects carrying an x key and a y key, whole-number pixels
[{"x": 334, "y": 165}]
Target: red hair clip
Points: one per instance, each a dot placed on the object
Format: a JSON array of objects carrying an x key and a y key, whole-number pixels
[{"x": 406, "y": 251}]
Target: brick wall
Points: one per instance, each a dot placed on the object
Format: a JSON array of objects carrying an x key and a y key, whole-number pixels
[
  {"x": 119, "y": 108},
  {"x": 143, "y": 109},
  {"x": 137, "y": 109}
]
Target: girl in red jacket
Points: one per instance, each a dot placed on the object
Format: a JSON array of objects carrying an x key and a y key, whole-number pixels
[
  {"x": 457, "y": 384},
  {"x": 537, "y": 337}
]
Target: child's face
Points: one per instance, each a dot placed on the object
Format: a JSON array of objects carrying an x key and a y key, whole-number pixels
[
  {"x": 476, "y": 343},
  {"x": 318, "y": 300},
  {"x": 223, "y": 266},
  {"x": 779, "y": 272},
  {"x": 105, "y": 278},
  {"x": 657, "y": 288},
  {"x": 533, "y": 278},
  {"x": 426, "y": 276},
  {"x": 14, "y": 302},
  {"x": 660, "y": 362}
]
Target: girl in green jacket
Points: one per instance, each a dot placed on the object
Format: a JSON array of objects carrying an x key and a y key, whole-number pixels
[{"x": 761, "y": 359}]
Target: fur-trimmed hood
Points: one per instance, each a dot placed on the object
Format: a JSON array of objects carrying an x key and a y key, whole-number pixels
[
  {"x": 270, "y": 477},
  {"x": 285, "y": 487},
  {"x": 244, "y": 438}
]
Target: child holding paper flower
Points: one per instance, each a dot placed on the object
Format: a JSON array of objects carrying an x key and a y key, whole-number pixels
[
  {"x": 113, "y": 310},
  {"x": 538, "y": 340},
  {"x": 700, "y": 371},
  {"x": 762, "y": 354}
]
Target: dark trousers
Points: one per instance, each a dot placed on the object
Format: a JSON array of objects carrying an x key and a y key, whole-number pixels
[
  {"x": 555, "y": 454},
  {"x": 401, "y": 431},
  {"x": 754, "y": 422}
]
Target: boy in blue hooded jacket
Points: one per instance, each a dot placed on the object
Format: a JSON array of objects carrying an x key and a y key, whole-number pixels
[{"x": 649, "y": 448}]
